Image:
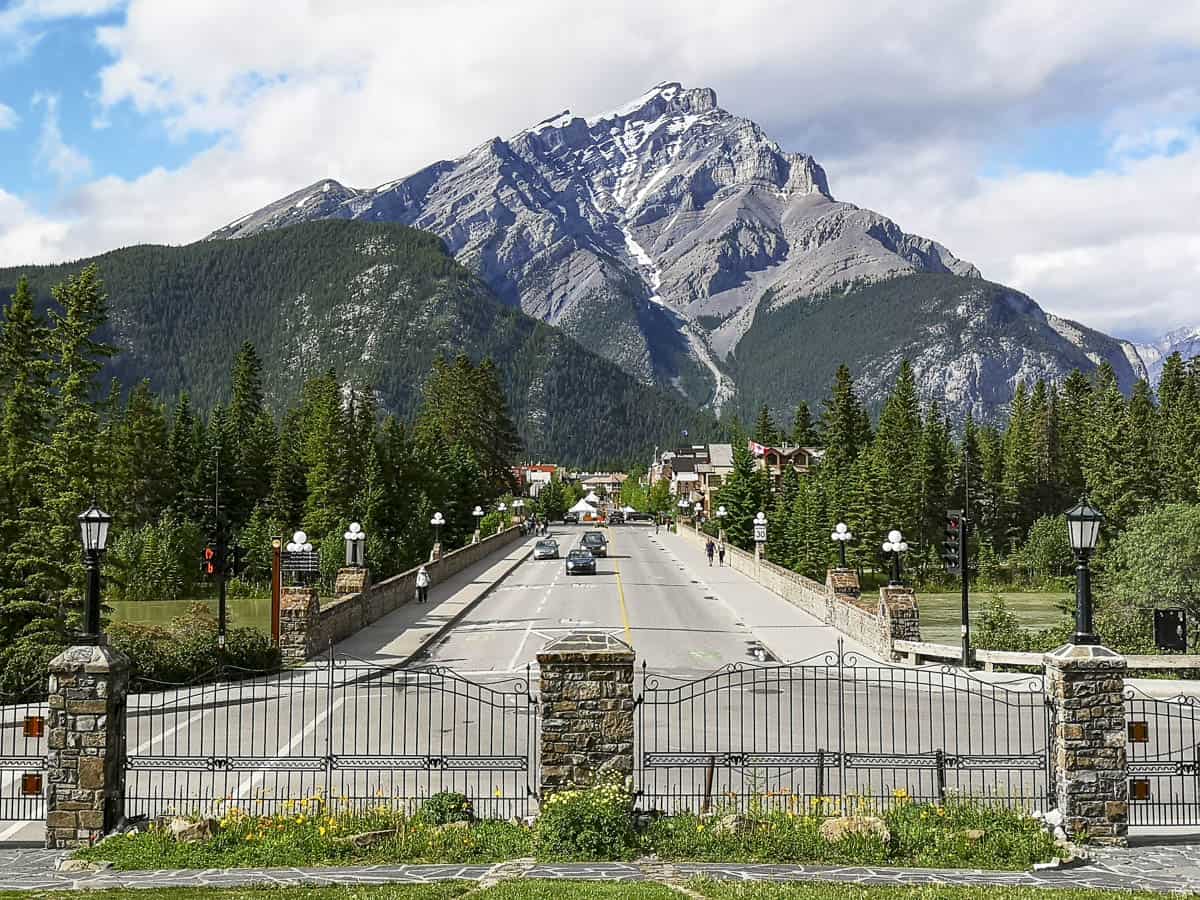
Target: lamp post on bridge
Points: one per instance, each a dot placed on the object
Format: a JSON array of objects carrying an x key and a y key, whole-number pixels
[
  {"x": 722, "y": 512},
  {"x": 477, "y": 512},
  {"x": 895, "y": 545},
  {"x": 760, "y": 535},
  {"x": 437, "y": 522},
  {"x": 356, "y": 543},
  {"x": 683, "y": 508},
  {"x": 842, "y": 535}
]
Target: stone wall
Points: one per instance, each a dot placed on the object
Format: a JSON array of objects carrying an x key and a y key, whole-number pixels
[
  {"x": 85, "y": 745},
  {"x": 1085, "y": 687},
  {"x": 587, "y": 710},
  {"x": 899, "y": 618},
  {"x": 307, "y": 632}
]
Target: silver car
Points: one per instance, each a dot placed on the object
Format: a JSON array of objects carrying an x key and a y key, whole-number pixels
[{"x": 546, "y": 549}]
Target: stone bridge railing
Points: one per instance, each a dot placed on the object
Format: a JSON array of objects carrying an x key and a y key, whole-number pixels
[
  {"x": 306, "y": 626},
  {"x": 839, "y": 603}
]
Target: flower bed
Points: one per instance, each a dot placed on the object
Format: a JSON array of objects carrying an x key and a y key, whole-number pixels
[{"x": 594, "y": 824}]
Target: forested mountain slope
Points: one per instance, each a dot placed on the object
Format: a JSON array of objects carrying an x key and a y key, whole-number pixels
[{"x": 377, "y": 303}]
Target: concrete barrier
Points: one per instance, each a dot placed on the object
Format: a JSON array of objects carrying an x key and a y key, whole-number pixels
[{"x": 306, "y": 628}]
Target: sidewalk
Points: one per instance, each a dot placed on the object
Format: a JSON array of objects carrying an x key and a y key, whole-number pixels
[
  {"x": 1163, "y": 869},
  {"x": 787, "y": 632},
  {"x": 402, "y": 635}
]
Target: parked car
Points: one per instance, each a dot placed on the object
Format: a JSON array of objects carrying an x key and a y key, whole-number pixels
[
  {"x": 595, "y": 542},
  {"x": 616, "y": 517},
  {"x": 546, "y": 549},
  {"x": 581, "y": 562},
  {"x": 570, "y": 518},
  {"x": 639, "y": 517}
]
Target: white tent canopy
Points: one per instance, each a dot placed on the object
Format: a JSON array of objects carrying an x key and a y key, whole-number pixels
[
  {"x": 583, "y": 507},
  {"x": 591, "y": 497},
  {"x": 627, "y": 509}
]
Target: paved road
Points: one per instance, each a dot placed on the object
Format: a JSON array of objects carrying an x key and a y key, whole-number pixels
[{"x": 654, "y": 591}]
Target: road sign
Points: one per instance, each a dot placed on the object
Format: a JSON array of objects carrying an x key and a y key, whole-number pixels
[
  {"x": 1170, "y": 630},
  {"x": 760, "y": 534}
]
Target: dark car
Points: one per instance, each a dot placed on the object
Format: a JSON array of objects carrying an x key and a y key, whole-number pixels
[
  {"x": 581, "y": 562},
  {"x": 616, "y": 517},
  {"x": 595, "y": 542},
  {"x": 570, "y": 518},
  {"x": 639, "y": 517}
]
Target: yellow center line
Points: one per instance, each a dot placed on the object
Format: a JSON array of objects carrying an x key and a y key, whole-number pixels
[{"x": 620, "y": 590}]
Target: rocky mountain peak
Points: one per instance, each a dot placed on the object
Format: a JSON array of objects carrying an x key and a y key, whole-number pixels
[{"x": 655, "y": 232}]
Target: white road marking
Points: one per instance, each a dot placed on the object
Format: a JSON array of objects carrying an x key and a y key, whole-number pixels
[{"x": 285, "y": 749}]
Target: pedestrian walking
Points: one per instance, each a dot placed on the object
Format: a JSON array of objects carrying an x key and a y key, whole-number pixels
[
  {"x": 422, "y": 585},
  {"x": 721, "y": 553},
  {"x": 709, "y": 549},
  {"x": 656, "y": 524}
]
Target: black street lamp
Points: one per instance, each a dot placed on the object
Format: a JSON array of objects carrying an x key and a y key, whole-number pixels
[
  {"x": 93, "y": 528},
  {"x": 1083, "y": 525},
  {"x": 841, "y": 534},
  {"x": 895, "y": 545}
]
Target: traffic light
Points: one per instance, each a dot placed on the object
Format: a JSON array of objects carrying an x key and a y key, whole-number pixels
[
  {"x": 954, "y": 547},
  {"x": 209, "y": 564},
  {"x": 237, "y": 560}
]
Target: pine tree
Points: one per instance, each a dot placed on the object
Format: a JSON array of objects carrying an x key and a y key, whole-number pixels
[
  {"x": 144, "y": 472},
  {"x": 1179, "y": 416},
  {"x": 764, "y": 429},
  {"x": 742, "y": 494},
  {"x": 804, "y": 431},
  {"x": 842, "y": 425},
  {"x": 896, "y": 457},
  {"x": 1019, "y": 486},
  {"x": 1109, "y": 465}
]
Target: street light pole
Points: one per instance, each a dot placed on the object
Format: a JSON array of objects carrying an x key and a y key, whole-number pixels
[
  {"x": 722, "y": 512},
  {"x": 1083, "y": 525},
  {"x": 841, "y": 534},
  {"x": 895, "y": 545},
  {"x": 437, "y": 522},
  {"x": 477, "y": 512},
  {"x": 93, "y": 530}
]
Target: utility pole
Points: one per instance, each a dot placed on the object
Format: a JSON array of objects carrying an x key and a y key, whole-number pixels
[{"x": 955, "y": 556}]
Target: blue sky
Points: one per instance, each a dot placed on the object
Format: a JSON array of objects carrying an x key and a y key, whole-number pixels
[{"x": 1058, "y": 152}]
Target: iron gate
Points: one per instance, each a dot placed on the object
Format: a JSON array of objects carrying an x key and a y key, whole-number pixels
[
  {"x": 349, "y": 731},
  {"x": 1163, "y": 747},
  {"x": 22, "y": 756},
  {"x": 839, "y": 724}
]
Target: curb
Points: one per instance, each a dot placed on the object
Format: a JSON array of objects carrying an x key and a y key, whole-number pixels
[{"x": 458, "y": 616}]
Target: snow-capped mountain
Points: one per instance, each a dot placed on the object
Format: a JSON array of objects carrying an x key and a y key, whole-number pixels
[
  {"x": 657, "y": 233},
  {"x": 1184, "y": 341}
]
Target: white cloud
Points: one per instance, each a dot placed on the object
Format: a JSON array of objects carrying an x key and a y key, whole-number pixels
[
  {"x": 8, "y": 117},
  {"x": 60, "y": 159},
  {"x": 902, "y": 104}
]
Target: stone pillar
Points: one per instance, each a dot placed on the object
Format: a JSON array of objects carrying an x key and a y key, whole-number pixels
[
  {"x": 299, "y": 624},
  {"x": 899, "y": 617},
  {"x": 351, "y": 581},
  {"x": 1085, "y": 686},
  {"x": 587, "y": 710},
  {"x": 85, "y": 746},
  {"x": 841, "y": 586}
]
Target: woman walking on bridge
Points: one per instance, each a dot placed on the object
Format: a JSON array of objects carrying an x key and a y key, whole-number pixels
[{"x": 422, "y": 585}]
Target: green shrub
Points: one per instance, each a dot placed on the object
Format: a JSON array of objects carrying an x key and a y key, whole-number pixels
[
  {"x": 445, "y": 807},
  {"x": 187, "y": 649},
  {"x": 587, "y": 823}
]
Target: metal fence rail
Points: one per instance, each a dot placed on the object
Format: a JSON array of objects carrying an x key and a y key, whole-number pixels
[
  {"x": 1163, "y": 747},
  {"x": 838, "y": 724},
  {"x": 351, "y": 732},
  {"x": 22, "y": 756}
]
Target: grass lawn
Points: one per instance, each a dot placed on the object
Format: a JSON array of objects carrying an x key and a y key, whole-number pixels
[
  {"x": 582, "y": 890},
  {"x": 941, "y": 613}
]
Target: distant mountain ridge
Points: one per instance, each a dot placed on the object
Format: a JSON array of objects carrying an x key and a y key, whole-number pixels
[
  {"x": 1185, "y": 341},
  {"x": 659, "y": 232},
  {"x": 377, "y": 303}
]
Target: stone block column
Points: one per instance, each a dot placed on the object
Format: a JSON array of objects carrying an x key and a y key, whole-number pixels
[
  {"x": 1085, "y": 687},
  {"x": 351, "y": 581},
  {"x": 587, "y": 710},
  {"x": 299, "y": 624},
  {"x": 85, "y": 746},
  {"x": 899, "y": 617}
]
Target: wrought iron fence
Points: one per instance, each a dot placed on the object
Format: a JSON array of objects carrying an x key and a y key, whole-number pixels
[
  {"x": 348, "y": 731},
  {"x": 1163, "y": 747},
  {"x": 23, "y": 755},
  {"x": 839, "y": 724}
]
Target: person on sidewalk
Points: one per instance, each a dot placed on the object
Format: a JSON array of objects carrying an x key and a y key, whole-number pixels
[
  {"x": 709, "y": 549},
  {"x": 422, "y": 585},
  {"x": 721, "y": 553}
]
